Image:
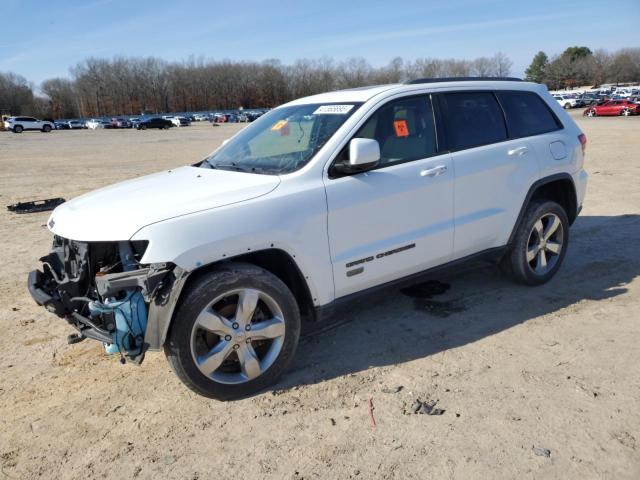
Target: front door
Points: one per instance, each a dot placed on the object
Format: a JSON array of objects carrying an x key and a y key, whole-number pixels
[{"x": 396, "y": 219}]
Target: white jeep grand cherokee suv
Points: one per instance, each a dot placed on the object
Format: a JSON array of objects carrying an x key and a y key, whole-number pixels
[{"x": 318, "y": 201}]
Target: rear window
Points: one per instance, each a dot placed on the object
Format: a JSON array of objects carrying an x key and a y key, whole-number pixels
[
  {"x": 473, "y": 119},
  {"x": 527, "y": 114}
]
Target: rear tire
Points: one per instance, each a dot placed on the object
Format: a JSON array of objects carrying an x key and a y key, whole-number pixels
[
  {"x": 142, "y": 127},
  {"x": 539, "y": 245},
  {"x": 567, "y": 106},
  {"x": 210, "y": 345},
  {"x": 46, "y": 128}
]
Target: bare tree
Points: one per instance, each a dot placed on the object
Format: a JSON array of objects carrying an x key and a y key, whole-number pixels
[{"x": 502, "y": 65}]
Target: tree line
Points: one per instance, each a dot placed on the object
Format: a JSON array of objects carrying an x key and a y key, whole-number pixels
[
  {"x": 132, "y": 85},
  {"x": 579, "y": 66},
  {"x": 126, "y": 85}
]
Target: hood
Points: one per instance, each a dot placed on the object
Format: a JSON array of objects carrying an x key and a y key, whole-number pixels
[{"x": 118, "y": 211}]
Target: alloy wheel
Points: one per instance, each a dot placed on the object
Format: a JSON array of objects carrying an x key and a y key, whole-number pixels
[
  {"x": 238, "y": 336},
  {"x": 545, "y": 244}
]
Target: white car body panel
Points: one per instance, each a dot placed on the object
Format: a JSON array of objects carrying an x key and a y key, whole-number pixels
[
  {"x": 486, "y": 177},
  {"x": 388, "y": 209},
  {"x": 292, "y": 217},
  {"x": 117, "y": 212},
  {"x": 193, "y": 217}
]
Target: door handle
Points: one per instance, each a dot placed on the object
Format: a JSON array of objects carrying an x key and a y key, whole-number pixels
[
  {"x": 520, "y": 151},
  {"x": 433, "y": 172}
]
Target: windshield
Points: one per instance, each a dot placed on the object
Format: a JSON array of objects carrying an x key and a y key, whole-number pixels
[{"x": 283, "y": 140}]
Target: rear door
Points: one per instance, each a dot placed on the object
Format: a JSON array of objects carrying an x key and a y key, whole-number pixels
[{"x": 492, "y": 171}]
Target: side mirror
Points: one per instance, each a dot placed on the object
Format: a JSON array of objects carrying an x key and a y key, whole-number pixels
[{"x": 363, "y": 153}]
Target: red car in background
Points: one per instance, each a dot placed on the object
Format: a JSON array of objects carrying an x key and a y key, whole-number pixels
[{"x": 613, "y": 107}]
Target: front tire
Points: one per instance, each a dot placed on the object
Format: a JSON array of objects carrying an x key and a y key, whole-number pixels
[
  {"x": 234, "y": 333},
  {"x": 539, "y": 245},
  {"x": 17, "y": 129},
  {"x": 46, "y": 128}
]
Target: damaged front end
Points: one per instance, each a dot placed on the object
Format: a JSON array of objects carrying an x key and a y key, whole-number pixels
[{"x": 103, "y": 291}]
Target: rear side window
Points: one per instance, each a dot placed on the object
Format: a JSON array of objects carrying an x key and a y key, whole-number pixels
[
  {"x": 527, "y": 114},
  {"x": 473, "y": 119}
]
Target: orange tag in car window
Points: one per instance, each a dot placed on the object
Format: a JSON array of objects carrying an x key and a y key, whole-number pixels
[
  {"x": 401, "y": 128},
  {"x": 279, "y": 125}
]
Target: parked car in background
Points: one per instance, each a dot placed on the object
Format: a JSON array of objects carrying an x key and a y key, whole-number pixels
[
  {"x": 199, "y": 117},
  {"x": 173, "y": 119},
  {"x": 20, "y": 124},
  {"x": 155, "y": 122},
  {"x": 76, "y": 124},
  {"x": 613, "y": 108},
  {"x": 121, "y": 122},
  {"x": 588, "y": 99},
  {"x": 566, "y": 102},
  {"x": 135, "y": 121},
  {"x": 252, "y": 116},
  {"x": 184, "y": 121},
  {"x": 61, "y": 125},
  {"x": 93, "y": 124}
]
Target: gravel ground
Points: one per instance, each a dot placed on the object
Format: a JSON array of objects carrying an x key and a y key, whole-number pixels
[{"x": 527, "y": 382}]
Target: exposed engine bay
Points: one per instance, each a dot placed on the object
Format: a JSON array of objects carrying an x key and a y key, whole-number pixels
[{"x": 102, "y": 290}]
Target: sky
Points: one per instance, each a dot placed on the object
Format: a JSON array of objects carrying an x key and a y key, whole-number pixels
[{"x": 42, "y": 40}]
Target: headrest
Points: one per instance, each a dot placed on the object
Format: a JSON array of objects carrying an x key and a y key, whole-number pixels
[{"x": 404, "y": 123}]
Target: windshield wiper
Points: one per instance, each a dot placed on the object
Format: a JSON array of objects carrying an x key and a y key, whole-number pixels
[{"x": 229, "y": 166}]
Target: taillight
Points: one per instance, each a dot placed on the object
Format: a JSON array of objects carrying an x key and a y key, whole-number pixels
[{"x": 583, "y": 141}]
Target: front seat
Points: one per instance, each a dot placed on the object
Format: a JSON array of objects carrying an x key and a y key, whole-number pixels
[{"x": 403, "y": 145}]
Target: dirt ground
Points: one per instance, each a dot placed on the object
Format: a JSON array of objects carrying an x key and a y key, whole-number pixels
[{"x": 534, "y": 382}]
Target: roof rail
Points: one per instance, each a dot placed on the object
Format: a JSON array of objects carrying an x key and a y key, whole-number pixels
[{"x": 463, "y": 79}]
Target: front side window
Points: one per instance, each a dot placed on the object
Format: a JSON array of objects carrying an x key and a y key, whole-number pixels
[
  {"x": 404, "y": 130},
  {"x": 527, "y": 114},
  {"x": 283, "y": 140},
  {"x": 473, "y": 119}
]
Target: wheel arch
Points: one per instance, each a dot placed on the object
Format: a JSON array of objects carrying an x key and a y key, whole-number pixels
[
  {"x": 559, "y": 188},
  {"x": 276, "y": 261}
]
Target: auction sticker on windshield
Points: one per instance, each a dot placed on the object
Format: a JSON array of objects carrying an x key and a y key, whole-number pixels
[{"x": 333, "y": 110}]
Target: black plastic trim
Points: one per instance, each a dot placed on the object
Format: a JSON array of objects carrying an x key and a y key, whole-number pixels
[
  {"x": 462, "y": 79},
  {"x": 39, "y": 296},
  {"x": 532, "y": 191},
  {"x": 492, "y": 255}
]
